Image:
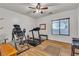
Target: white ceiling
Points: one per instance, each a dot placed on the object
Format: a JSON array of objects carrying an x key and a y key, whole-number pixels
[{"x": 52, "y": 8}]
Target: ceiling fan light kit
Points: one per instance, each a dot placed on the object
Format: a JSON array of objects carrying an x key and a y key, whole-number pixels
[{"x": 39, "y": 8}]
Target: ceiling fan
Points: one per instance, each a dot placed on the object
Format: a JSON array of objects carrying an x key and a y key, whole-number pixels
[{"x": 39, "y": 8}]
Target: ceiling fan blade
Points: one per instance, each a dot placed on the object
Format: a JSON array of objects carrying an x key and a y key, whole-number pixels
[
  {"x": 32, "y": 7},
  {"x": 38, "y": 6},
  {"x": 44, "y": 8},
  {"x": 34, "y": 11}
]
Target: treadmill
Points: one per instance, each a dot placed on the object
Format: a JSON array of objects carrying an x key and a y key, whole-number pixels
[{"x": 35, "y": 41}]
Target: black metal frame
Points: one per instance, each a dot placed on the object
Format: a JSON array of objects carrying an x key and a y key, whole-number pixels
[{"x": 44, "y": 36}]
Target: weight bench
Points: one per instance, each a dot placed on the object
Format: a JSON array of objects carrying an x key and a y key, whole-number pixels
[{"x": 75, "y": 45}]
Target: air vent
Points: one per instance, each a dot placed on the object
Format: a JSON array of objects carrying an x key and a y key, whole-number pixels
[
  {"x": 50, "y": 13},
  {"x": 1, "y": 18}
]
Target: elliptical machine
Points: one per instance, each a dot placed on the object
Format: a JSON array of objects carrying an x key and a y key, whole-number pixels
[{"x": 18, "y": 35}]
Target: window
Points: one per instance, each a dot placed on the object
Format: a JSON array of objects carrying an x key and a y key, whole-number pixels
[
  {"x": 61, "y": 26},
  {"x": 55, "y": 27}
]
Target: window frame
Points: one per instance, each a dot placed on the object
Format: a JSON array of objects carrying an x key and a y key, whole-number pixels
[{"x": 60, "y": 26}]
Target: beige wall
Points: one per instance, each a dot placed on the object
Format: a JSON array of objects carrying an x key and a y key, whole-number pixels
[
  {"x": 78, "y": 21},
  {"x": 11, "y": 18},
  {"x": 73, "y": 25}
]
